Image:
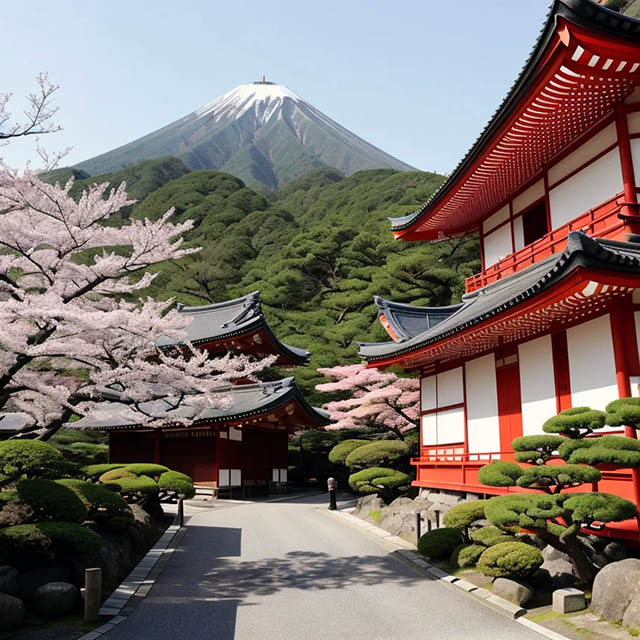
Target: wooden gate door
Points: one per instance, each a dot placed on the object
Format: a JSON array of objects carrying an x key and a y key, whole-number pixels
[
  {"x": 191, "y": 452},
  {"x": 509, "y": 400}
]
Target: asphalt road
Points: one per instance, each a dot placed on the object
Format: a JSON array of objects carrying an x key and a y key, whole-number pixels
[{"x": 286, "y": 571}]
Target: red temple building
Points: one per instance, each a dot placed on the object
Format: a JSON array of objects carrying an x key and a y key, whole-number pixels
[
  {"x": 553, "y": 319},
  {"x": 245, "y": 445}
]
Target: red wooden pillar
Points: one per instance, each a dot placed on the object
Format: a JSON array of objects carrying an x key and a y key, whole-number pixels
[
  {"x": 629, "y": 212},
  {"x": 617, "y": 316},
  {"x": 156, "y": 445}
]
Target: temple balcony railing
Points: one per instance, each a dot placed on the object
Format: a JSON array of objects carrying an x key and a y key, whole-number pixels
[{"x": 601, "y": 221}]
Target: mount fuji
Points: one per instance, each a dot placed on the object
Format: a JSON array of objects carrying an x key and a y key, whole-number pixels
[{"x": 261, "y": 132}]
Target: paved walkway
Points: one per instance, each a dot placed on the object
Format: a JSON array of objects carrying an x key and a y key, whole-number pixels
[{"x": 287, "y": 571}]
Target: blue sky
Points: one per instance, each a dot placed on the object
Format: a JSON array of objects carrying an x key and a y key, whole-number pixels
[{"x": 419, "y": 79}]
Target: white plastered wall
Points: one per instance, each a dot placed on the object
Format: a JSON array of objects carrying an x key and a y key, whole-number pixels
[
  {"x": 635, "y": 154},
  {"x": 450, "y": 426},
  {"x": 592, "y": 369},
  {"x": 429, "y": 426},
  {"x": 593, "y": 185},
  {"x": 499, "y": 216},
  {"x": 518, "y": 233},
  {"x": 529, "y": 196},
  {"x": 450, "y": 389},
  {"x": 497, "y": 245},
  {"x": 590, "y": 149},
  {"x": 483, "y": 428},
  {"x": 537, "y": 384}
]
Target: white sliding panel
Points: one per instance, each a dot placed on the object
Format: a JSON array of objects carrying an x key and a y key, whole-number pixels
[
  {"x": 450, "y": 388},
  {"x": 428, "y": 393},
  {"x": 450, "y": 426},
  {"x": 483, "y": 429},
  {"x": 537, "y": 384},
  {"x": 223, "y": 477},
  {"x": 497, "y": 245},
  {"x": 592, "y": 367},
  {"x": 236, "y": 477},
  {"x": 429, "y": 429}
]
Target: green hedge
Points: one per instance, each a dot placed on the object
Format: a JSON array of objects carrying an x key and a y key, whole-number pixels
[
  {"x": 466, "y": 555},
  {"x": 30, "y": 459},
  {"x": 376, "y": 454},
  {"x": 181, "y": 483},
  {"x": 105, "y": 507},
  {"x": 28, "y": 542},
  {"x": 515, "y": 559},
  {"x": 500, "y": 473},
  {"x": 490, "y": 536},
  {"x": 464, "y": 515},
  {"x": 439, "y": 543},
  {"x": 51, "y": 501},
  {"x": 339, "y": 453},
  {"x": 146, "y": 469},
  {"x": 378, "y": 479},
  {"x": 94, "y": 471}
]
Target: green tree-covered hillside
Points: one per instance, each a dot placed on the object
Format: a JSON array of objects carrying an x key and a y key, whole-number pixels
[{"x": 318, "y": 250}]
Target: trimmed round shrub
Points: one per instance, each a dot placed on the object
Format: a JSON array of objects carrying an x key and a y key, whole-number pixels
[
  {"x": 439, "y": 543},
  {"x": 599, "y": 507},
  {"x": 85, "y": 453},
  {"x": 523, "y": 510},
  {"x": 536, "y": 449},
  {"x": 490, "y": 536},
  {"x": 146, "y": 469},
  {"x": 500, "y": 473},
  {"x": 563, "y": 474},
  {"x": 339, "y": 453},
  {"x": 575, "y": 422},
  {"x": 376, "y": 454},
  {"x": 26, "y": 542},
  {"x": 140, "y": 484},
  {"x": 51, "y": 501},
  {"x": 31, "y": 459},
  {"x": 466, "y": 555},
  {"x": 96, "y": 470},
  {"x": 378, "y": 479},
  {"x": 106, "y": 508},
  {"x": 464, "y": 515},
  {"x": 115, "y": 474},
  {"x": 515, "y": 559},
  {"x": 624, "y": 411},
  {"x": 181, "y": 483},
  {"x": 614, "y": 450}
]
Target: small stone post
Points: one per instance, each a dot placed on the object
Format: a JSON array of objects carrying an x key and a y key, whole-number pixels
[
  {"x": 418, "y": 526},
  {"x": 92, "y": 593}
]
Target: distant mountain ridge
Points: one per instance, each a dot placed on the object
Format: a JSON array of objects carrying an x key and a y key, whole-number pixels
[{"x": 263, "y": 133}]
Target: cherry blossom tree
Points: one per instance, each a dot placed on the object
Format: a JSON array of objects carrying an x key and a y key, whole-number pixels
[
  {"x": 378, "y": 399},
  {"x": 69, "y": 330}
]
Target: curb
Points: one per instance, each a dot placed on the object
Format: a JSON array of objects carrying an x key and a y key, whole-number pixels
[
  {"x": 408, "y": 554},
  {"x": 135, "y": 587}
]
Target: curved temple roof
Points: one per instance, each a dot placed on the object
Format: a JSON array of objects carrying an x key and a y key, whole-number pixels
[
  {"x": 248, "y": 402},
  {"x": 405, "y": 321},
  {"x": 586, "y": 61},
  {"x": 225, "y": 321},
  {"x": 495, "y": 298}
]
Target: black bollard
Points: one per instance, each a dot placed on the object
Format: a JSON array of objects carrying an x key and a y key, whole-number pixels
[
  {"x": 181, "y": 512},
  {"x": 418, "y": 525}
]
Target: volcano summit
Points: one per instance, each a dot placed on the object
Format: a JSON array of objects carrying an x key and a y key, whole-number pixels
[{"x": 261, "y": 132}]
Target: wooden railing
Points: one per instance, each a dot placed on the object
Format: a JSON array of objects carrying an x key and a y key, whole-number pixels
[{"x": 601, "y": 221}]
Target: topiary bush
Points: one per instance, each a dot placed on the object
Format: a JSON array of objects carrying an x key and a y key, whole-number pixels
[
  {"x": 500, "y": 473},
  {"x": 611, "y": 450},
  {"x": 339, "y": 453},
  {"x": 510, "y": 559},
  {"x": 136, "y": 484},
  {"x": 378, "y": 480},
  {"x": 490, "y": 536},
  {"x": 464, "y": 515},
  {"x": 105, "y": 507},
  {"x": 566, "y": 475},
  {"x": 177, "y": 482},
  {"x": 30, "y": 543},
  {"x": 440, "y": 543},
  {"x": 466, "y": 555},
  {"x": 146, "y": 469},
  {"x": 536, "y": 449},
  {"x": 575, "y": 423},
  {"x": 85, "y": 453},
  {"x": 94, "y": 471},
  {"x": 378, "y": 453},
  {"x": 115, "y": 474},
  {"x": 51, "y": 501},
  {"x": 30, "y": 459},
  {"x": 624, "y": 412}
]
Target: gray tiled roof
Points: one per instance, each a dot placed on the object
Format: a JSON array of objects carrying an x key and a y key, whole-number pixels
[
  {"x": 407, "y": 320},
  {"x": 13, "y": 422},
  {"x": 238, "y": 317},
  {"x": 584, "y": 13},
  {"x": 509, "y": 291},
  {"x": 247, "y": 401}
]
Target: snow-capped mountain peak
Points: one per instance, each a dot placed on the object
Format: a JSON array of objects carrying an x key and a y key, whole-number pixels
[{"x": 264, "y": 98}]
